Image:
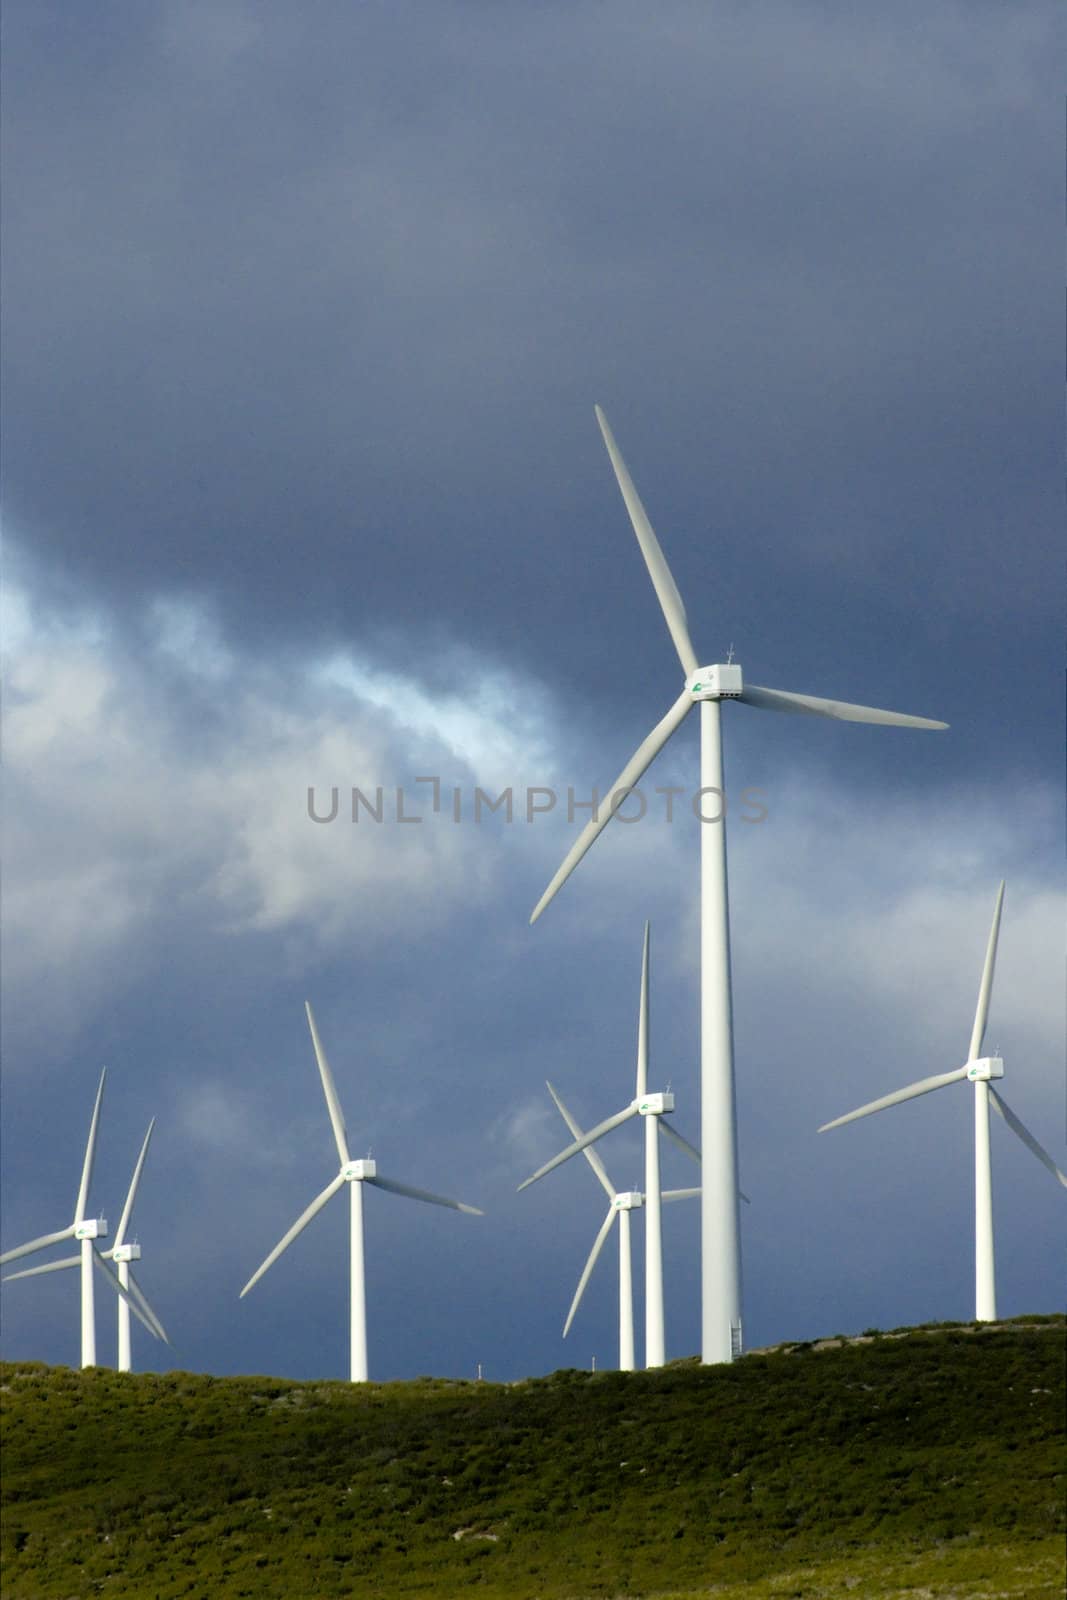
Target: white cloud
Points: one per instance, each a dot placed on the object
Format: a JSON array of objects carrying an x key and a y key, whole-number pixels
[
  {"x": 215, "y": 1116},
  {"x": 498, "y": 727},
  {"x": 893, "y": 901},
  {"x": 139, "y": 787},
  {"x": 187, "y": 633},
  {"x": 524, "y": 1133}
]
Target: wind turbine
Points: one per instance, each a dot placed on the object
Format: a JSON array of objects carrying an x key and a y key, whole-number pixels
[
  {"x": 720, "y": 1234},
  {"x": 981, "y": 1071},
  {"x": 620, "y": 1205},
  {"x": 129, "y": 1296},
  {"x": 87, "y": 1231},
  {"x": 652, "y": 1107},
  {"x": 355, "y": 1174}
]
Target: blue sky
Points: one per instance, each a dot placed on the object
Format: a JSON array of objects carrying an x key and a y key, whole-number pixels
[{"x": 305, "y": 318}]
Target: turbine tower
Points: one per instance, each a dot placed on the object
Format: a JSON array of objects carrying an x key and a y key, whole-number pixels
[
  {"x": 707, "y": 686},
  {"x": 620, "y": 1205},
  {"x": 982, "y": 1071},
  {"x": 355, "y": 1174},
  {"x": 122, "y": 1254},
  {"x": 128, "y": 1292},
  {"x": 652, "y": 1108},
  {"x": 85, "y": 1229}
]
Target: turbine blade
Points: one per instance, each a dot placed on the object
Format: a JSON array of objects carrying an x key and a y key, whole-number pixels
[
  {"x": 679, "y": 1194},
  {"x": 694, "y": 1154},
  {"x": 985, "y": 988},
  {"x": 298, "y": 1227},
  {"x": 329, "y": 1088},
  {"x": 842, "y": 710},
  {"x": 638, "y": 763},
  {"x": 142, "y": 1300},
  {"x": 1025, "y": 1135},
  {"x": 37, "y": 1244},
  {"x": 90, "y": 1152},
  {"x": 423, "y": 1194},
  {"x": 598, "y": 1245},
  {"x": 642, "y": 1022},
  {"x": 589, "y": 1153},
  {"x": 113, "y": 1278},
  {"x": 656, "y": 562},
  {"x": 924, "y": 1086},
  {"x": 580, "y": 1144},
  {"x": 131, "y": 1193},
  {"x": 49, "y": 1266},
  {"x": 683, "y": 1144}
]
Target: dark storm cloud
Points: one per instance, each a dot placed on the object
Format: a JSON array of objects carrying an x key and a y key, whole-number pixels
[{"x": 311, "y": 320}]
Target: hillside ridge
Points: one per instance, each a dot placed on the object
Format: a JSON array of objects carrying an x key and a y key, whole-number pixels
[{"x": 926, "y": 1462}]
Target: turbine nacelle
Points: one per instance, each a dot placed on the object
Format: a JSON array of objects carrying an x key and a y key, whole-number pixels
[
  {"x": 357, "y": 1171},
  {"x": 94, "y": 1228},
  {"x": 126, "y": 1252},
  {"x": 720, "y": 682},
  {"x": 630, "y": 1200},
  {"x": 988, "y": 1067},
  {"x": 655, "y": 1105}
]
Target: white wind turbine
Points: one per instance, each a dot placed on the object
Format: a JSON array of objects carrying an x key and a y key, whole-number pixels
[
  {"x": 720, "y": 1233},
  {"x": 620, "y": 1204},
  {"x": 652, "y": 1107},
  {"x": 130, "y": 1296},
  {"x": 979, "y": 1070},
  {"x": 355, "y": 1174},
  {"x": 87, "y": 1230}
]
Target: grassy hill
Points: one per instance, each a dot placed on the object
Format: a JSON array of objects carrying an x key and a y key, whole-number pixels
[{"x": 928, "y": 1463}]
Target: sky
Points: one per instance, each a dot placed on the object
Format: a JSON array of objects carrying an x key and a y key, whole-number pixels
[{"x": 306, "y": 313}]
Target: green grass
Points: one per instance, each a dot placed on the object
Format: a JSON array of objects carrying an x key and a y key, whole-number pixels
[{"x": 928, "y": 1463}]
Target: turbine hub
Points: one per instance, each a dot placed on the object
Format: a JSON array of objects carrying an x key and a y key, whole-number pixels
[
  {"x": 654, "y": 1105},
  {"x": 356, "y": 1171},
  {"x": 126, "y": 1252},
  {"x": 982, "y": 1071},
  {"x": 632, "y": 1200},
  {"x": 94, "y": 1228},
  {"x": 721, "y": 682}
]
